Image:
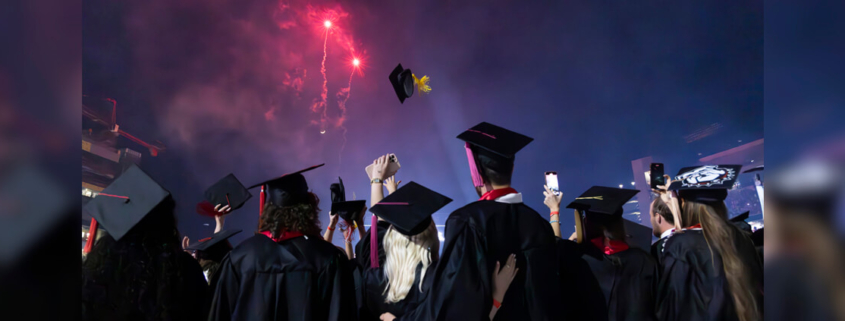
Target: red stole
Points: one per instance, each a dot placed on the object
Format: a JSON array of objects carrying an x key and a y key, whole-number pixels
[
  {"x": 496, "y": 193},
  {"x": 284, "y": 236},
  {"x": 614, "y": 246}
]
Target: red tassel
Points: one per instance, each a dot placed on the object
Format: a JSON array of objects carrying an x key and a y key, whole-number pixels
[
  {"x": 92, "y": 234},
  {"x": 374, "y": 242},
  {"x": 261, "y": 202}
]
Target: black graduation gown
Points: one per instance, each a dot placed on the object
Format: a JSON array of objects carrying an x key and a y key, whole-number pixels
[
  {"x": 582, "y": 296},
  {"x": 628, "y": 280},
  {"x": 303, "y": 278},
  {"x": 373, "y": 294},
  {"x": 477, "y": 236},
  {"x": 362, "y": 249},
  {"x": 657, "y": 253},
  {"x": 361, "y": 263},
  {"x": 186, "y": 297},
  {"x": 693, "y": 285}
]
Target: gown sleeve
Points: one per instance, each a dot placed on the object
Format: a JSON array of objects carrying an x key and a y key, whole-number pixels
[
  {"x": 225, "y": 293},
  {"x": 460, "y": 290}
]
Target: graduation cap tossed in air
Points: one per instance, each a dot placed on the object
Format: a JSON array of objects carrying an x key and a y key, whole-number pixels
[
  {"x": 349, "y": 211},
  {"x": 602, "y": 203},
  {"x": 288, "y": 189},
  {"x": 215, "y": 247},
  {"x": 125, "y": 202},
  {"x": 404, "y": 81},
  {"x": 706, "y": 183},
  {"x": 410, "y": 207},
  {"x": 227, "y": 191},
  {"x": 492, "y": 147}
]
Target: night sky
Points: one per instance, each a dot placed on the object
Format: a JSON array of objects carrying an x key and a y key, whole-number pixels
[{"x": 231, "y": 86}]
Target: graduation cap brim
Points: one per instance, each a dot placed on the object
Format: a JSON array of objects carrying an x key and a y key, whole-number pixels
[
  {"x": 410, "y": 207},
  {"x": 499, "y": 141},
  {"x": 288, "y": 175},
  {"x": 125, "y": 202},
  {"x": 213, "y": 240},
  {"x": 741, "y": 217},
  {"x": 349, "y": 210},
  {"x": 228, "y": 191},
  {"x": 603, "y": 200}
]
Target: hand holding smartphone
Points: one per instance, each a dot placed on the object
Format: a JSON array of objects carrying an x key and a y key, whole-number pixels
[
  {"x": 392, "y": 167},
  {"x": 551, "y": 182},
  {"x": 656, "y": 174}
]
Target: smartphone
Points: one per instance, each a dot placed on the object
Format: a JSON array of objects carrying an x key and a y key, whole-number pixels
[
  {"x": 657, "y": 175},
  {"x": 392, "y": 167},
  {"x": 551, "y": 182}
]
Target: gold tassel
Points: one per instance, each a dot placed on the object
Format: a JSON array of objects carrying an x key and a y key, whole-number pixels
[
  {"x": 422, "y": 83},
  {"x": 600, "y": 198}
]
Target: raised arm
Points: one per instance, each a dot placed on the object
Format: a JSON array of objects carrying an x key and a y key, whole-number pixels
[
  {"x": 552, "y": 201},
  {"x": 333, "y": 218}
]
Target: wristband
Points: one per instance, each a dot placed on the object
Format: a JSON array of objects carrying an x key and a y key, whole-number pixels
[
  {"x": 555, "y": 221},
  {"x": 376, "y": 180},
  {"x": 497, "y": 304},
  {"x": 331, "y": 229},
  {"x": 554, "y": 213}
]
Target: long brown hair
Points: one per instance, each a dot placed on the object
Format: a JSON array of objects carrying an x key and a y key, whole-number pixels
[
  {"x": 721, "y": 235},
  {"x": 302, "y": 217}
]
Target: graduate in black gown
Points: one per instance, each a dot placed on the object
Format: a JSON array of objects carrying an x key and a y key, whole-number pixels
[
  {"x": 489, "y": 230},
  {"x": 137, "y": 270},
  {"x": 411, "y": 247},
  {"x": 711, "y": 270},
  {"x": 626, "y": 274},
  {"x": 582, "y": 298},
  {"x": 286, "y": 271}
]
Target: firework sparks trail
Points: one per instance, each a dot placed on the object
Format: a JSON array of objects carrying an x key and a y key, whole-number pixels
[{"x": 325, "y": 81}]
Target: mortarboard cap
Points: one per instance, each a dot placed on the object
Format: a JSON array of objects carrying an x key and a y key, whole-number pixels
[
  {"x": 348, "y": 210},
  {"x": 288, "y": 189},
  {"x": 495, "y": 140},
  {"x": 214, "y": 248},
  {"x": 208, "y": 243},
  {"x": 227, "y": 191},
  {"x": 494, "y": 146},
  {"x": 637, "y": 235},
  {"x": 125, "y": 202},
  {"x": 403, "y": 82},
  {"x": 603, "y": 200},
  {"x": 709, "y": 183},
  {"x": 410, "y": 207}
]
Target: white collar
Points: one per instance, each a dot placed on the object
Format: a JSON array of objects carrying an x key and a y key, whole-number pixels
[
  {"x": 512, "y": 198},
  {"x": 666, "y": 233}
]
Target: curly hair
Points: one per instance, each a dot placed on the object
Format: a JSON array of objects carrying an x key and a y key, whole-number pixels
[
  {"x": 141, "y": 274},
  {"x": 303, "y": 217}
]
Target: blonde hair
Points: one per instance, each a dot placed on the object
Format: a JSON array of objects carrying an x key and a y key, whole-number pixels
[
  {"x": 719, "y": 233},
  {"x": 404, "y": 253}
]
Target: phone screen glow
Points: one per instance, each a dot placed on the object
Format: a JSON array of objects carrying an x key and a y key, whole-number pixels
[{"x": 551, "y": 182}]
